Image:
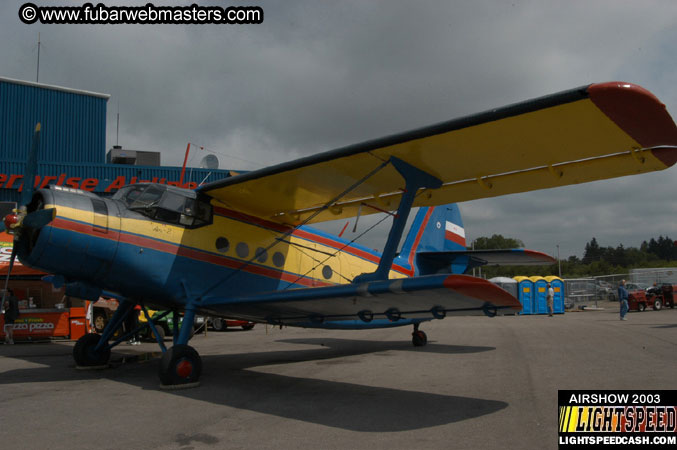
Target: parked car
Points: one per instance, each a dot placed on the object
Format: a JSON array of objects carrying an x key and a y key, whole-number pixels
[
  {"x": 221, "y": 324},
  {"x": 606, "y": 291},
  {"x": 165, "y": 326}
]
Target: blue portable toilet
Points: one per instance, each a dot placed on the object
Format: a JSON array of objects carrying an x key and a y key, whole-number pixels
[
  {"x": 525, "y": 294},
  {"x": 558, "y": 301},
  {"x": 540, "y": 295}
]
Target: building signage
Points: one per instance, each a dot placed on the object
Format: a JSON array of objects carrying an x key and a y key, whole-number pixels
[{"x": 15, "y": 181}]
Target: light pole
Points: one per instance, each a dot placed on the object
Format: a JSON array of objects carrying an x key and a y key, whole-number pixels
[{"x": 559, "y": 263}]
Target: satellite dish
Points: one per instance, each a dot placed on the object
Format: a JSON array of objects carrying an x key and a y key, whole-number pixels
[{"x": 210, "y": 162}]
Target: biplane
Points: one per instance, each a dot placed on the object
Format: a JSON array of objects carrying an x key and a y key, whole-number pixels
[{"x": 243, "y": 247}]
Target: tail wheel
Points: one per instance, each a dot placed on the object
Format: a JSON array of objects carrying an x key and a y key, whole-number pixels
[
  {"x": 180, "y": 364},
  {"x": 641, "y": 307},
  {"x": 419, "y": 338},
  {"x": 249, "y": 326},
  {"x": 84, "y": 354}
]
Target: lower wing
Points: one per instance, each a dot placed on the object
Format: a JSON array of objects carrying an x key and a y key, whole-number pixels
[{"x": 426, "y": 297}]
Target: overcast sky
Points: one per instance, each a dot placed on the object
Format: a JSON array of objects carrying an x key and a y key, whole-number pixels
[{"x": 318, "y": 75}]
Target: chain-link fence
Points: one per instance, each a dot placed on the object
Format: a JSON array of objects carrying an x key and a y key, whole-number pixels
[
  {"x": 650, "y": 277},
  {"x": 581, "y": 292}
]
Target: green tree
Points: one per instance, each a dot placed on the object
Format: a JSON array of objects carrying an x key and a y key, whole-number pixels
[
  {"x": 592, "y": 252},
  {"x": 497, "y": 241}
]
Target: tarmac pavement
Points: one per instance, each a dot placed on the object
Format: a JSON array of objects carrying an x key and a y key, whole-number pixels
[{"x": 479, "y": 383}]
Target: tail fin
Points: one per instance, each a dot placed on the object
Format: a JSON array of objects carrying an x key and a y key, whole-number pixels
[
  {"x": 436, "y": 244},
  {"x": 435, "y": 229}
]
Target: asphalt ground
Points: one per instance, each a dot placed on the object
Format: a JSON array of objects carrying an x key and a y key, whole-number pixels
[{"x": 479, "y": 383}]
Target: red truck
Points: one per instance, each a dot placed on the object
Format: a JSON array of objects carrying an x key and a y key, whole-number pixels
[{"x": 656, "y": 297}]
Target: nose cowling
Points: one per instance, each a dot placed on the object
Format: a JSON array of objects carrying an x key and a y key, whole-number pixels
[{"x": 72, "y": 233}]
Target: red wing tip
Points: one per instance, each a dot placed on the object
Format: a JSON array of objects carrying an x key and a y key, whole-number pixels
[
  {"x": 482, "y": 290},
  {"x": 616, "y": 86},
  {"x": 639, "y": 113},
  {"x": 667, "y": 156}
]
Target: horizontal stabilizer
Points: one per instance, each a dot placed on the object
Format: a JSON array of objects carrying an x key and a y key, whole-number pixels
[
  {"x": 440, "y": 262},
  {"x": 426, "y": 297}
]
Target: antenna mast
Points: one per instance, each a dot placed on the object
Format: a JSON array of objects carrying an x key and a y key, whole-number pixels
[
  {"x": 117, "y": 131},
  {"x": 37, "y": 76}
]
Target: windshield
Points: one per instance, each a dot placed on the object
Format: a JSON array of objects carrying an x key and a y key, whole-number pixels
[{"x": 166, "y": 205}]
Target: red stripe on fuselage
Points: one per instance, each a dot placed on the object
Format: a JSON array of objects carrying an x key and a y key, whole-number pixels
[{"x": 186, "y": 252}]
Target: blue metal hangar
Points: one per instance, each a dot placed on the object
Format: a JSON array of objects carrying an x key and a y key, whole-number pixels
[{"x": 72, "y": 143}]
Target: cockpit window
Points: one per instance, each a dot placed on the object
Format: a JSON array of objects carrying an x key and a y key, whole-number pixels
[
  {"x": 149, "y": 198},
  {"x": 164, "y": 205}
]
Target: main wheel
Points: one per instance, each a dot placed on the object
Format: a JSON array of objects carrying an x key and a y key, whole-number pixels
[
  {"x": 180, "y": 364},
  {"x": 218, "y": 324},
  {"x": 84, "y": 354},
  {"x": 657, "y": 305},
  {"x": 419, "y": 338}
]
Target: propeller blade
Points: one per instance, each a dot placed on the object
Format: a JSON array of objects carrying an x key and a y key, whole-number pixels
[
  {"x": 31, "y": 169},
  {"x": 39, "y": 218}
]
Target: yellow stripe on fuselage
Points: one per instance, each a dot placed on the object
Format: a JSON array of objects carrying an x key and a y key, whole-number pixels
[{"x": 305, "y": 257}]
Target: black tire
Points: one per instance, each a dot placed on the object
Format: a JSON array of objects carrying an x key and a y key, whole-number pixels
[
  {"x": 84, "y": 355},
  {"x": 219, "y": 324},
  {"x": 180, "y": 364},
  {"x": 419, "y": 338},
  {"x": 641, "y": 307},
  {"x": 100, "y": 321},
  {"x": 248, "y": 327},
  {"x": 657, "y": 305}
]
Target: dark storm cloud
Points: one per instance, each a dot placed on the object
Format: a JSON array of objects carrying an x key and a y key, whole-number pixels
[{"x": 320, "y": 75}]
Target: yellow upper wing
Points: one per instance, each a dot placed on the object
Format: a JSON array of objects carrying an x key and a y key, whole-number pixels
[{"x": 591, "y": 133}]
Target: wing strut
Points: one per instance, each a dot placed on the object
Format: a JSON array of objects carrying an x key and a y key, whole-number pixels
[
  {"x": 415, "y": 179},
  {"x": 286, "y": 234}
]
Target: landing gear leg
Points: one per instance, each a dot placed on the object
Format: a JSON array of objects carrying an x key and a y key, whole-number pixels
[
  {"x": 181, "y": 365},
  {"x": 418, "y": 337},
  {"x": 93, "y": 350}
]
